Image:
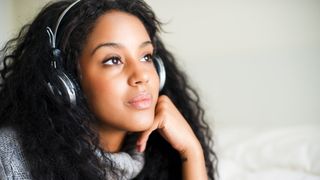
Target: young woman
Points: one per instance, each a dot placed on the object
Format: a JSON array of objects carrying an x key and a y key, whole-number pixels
[{"x": 89, "y": 91}]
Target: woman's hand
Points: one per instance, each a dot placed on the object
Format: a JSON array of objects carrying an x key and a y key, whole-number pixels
[
  {"x": 175, "y": 129},
  {"x": 172, "y": 126}
]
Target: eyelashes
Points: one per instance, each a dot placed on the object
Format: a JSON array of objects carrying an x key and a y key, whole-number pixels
[{"x": 116, "y": 60}]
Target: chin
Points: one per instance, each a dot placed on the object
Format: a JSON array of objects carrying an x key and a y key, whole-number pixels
[{"x": 138, "y": 124}]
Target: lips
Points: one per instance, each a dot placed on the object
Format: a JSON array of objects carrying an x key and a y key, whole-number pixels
[{"x": 141, "y": 101}]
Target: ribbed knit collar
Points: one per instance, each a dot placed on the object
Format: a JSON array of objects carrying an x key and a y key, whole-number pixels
[{"x": 123, "y": 165}]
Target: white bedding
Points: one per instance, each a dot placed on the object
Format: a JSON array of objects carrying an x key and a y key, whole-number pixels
[{"x": 283, "y": 153}]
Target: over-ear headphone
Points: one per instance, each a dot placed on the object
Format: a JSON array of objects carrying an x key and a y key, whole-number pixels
[{"x": 61, "y": 84}]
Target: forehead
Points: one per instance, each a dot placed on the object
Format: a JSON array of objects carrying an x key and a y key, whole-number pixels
[{"x": 119, "y": 27}]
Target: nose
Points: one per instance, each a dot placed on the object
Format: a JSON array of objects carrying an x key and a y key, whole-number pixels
[{"x": 138, "y": 75}]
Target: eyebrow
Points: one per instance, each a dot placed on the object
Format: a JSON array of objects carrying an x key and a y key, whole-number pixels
[{"x": 118, "y": 45}]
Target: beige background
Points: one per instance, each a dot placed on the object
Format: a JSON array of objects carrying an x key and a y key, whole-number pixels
[{"x": 254, "y": 62}]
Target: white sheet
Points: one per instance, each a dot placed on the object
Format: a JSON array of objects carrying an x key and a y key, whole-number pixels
[{"x": 291, "y": 153}]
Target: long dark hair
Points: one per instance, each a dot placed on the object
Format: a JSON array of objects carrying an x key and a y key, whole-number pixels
[{"x": 58, "y": 140}]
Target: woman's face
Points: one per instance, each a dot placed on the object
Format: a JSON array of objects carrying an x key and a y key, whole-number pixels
[{"x": 118, "y": 77}]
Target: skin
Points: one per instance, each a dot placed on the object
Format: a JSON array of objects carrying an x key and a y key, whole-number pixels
[{"x": 122, "y": 86}]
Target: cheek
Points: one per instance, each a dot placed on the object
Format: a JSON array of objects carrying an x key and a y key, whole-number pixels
[
  {"x": 154, "y": 78},
  {"x": 155, "y": 84},
  {"x": 101, "y": 90},
  {"x": 105, "y": 98}
]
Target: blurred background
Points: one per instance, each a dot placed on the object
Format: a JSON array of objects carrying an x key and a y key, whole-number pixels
[{"x": 255, "y": 63}]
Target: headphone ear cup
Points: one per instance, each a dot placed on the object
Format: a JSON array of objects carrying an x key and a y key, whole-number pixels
[
  {"x": 61, "y": 85},
  {"x": 161, "y": 71}
]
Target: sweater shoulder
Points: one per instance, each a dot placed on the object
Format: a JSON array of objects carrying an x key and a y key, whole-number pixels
[
  {"x": 9, "y": 141},
  {"x": 12, "y": 161}
]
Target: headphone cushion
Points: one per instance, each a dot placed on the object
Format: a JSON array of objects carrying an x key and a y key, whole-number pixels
[
  {"x": 61, "y": 85},
  {"x": 161, "y": 71}
]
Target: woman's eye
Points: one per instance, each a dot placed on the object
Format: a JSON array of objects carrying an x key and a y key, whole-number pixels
[
  {"x": 147, "y": 58},
  {"x": 112, "y": 61}
]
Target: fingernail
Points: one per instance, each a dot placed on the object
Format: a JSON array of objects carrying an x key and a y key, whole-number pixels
[{"x": 138, "y": 148}]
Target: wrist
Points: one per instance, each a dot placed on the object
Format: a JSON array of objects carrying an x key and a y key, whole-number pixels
[{"x": 193, "y": 153}]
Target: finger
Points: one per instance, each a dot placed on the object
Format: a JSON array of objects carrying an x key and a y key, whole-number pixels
[
  {"x": 144, "y": 136},
  {"x": 142, "y": 141}
]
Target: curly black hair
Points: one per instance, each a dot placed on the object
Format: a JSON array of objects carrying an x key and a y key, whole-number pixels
[{"x": 58, "y": 140}]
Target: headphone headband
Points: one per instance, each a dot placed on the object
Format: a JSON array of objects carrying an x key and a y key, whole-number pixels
[{"x": 53, "y": 35}]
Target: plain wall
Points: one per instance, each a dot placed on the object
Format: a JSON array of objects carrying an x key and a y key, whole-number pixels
[
  {"x": 6, "y": 20},
  {"x": 254, "y": 62}
]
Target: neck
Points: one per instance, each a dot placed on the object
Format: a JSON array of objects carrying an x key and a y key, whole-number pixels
[{"x": 111, "y": 140}]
